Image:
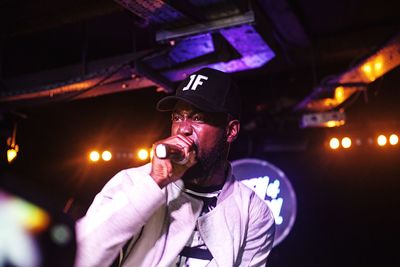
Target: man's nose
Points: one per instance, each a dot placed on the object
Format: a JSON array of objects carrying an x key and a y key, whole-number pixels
[{"x": 185, "y": 128}]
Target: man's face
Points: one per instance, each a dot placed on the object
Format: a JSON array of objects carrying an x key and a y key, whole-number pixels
[{"x": 207, "y": 130}]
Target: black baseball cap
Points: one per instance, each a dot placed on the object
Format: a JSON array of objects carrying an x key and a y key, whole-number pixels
[{"x": 209, "y": 90}]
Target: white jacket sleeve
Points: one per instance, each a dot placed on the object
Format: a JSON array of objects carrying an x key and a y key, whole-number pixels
[
  {"x": 117, "y": 213},
  {"x": 260, "y": 235}
]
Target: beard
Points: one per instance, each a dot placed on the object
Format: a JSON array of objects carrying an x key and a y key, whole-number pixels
[{"x": 207, "y": 161}]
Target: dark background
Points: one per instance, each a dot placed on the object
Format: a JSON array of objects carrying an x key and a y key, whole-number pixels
[{"x": 347, "y": 200}]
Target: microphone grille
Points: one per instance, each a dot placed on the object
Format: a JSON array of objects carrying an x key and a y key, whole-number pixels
[{"x": 161, "y": 151}]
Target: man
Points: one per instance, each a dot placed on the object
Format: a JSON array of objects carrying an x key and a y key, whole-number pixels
[{"x": 187, "y": 211}]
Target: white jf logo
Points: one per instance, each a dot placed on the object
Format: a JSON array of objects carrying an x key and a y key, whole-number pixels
[{"x": 195, "y": 80}]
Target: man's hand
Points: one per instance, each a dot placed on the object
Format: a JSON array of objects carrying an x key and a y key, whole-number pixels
[{"x": 165, "y": 171}]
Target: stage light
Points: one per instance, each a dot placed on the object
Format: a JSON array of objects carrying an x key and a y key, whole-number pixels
[
  {"x": 367, "y": 68},
  {"x": 94, "y": 156},
  {"x": 393, "y": 139},
  {"x": 143, "y": 154},
  {"x": 373, "y": 68},
  {"x": 106, "y": 155},
  {"x": 346, "y": 142},
  {"x": 381, "y": 140},
  {"x": 378, "y": 66},
  {"x": 334, "y": 143},
  {"x": 13, "y": 148},
  {"x": 12, "y": 154},
  {"x": 339, "y": 94},
  {"x": 358, "y": 142},
  {"x": 368, "y": 71},
  {"x": 323, "y": 119}
]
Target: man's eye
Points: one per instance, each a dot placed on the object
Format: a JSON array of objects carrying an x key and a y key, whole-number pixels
[
  {"x": 176, "y": 117},
  {"x": 198, "y": 118}
]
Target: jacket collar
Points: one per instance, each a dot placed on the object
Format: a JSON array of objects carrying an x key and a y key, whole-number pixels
[
  {"x": 226, "y": 189},
  {"x": 228, "y": 186}
]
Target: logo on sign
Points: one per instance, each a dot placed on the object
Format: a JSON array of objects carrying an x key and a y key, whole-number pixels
[
  {"x": 263, "y": 188},
  {"x": 270, "y": 184}
]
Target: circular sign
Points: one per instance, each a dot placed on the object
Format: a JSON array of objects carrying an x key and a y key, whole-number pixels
[{"x": 271, "y": 184}]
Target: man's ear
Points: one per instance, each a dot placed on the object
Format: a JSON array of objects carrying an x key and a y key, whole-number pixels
[{"x": 232, "y": 130}]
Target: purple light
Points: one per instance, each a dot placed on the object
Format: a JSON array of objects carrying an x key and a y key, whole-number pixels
[
  {"x": 253, "y": 49},
  {"x": 192, "y": 47}
]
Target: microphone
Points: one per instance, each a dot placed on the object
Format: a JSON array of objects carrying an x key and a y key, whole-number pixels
[{"x": 175, "y": 153}]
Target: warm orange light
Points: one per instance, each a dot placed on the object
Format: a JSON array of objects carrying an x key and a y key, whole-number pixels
[
  {"x": 346, "y": 142},
  {"x": 378, "y": 66},
  {"x": 38, "y": 219},
  {"x": 94, "y": 156},
  {"x": 374, "y": 68},
  {"x": 143, "y": 154},
  {"x": 28, "y": 215},
  {"x": 339, "y": 94},
  {"x": 11, "y": 154},
  {"x": 367, "y": 69},
  {"x": 381, "y": 140},
  {"x": 329, "y": 102},
  {"x": 331, "y": 124},
  {"x": 106, "y": 155},
  {"x": 334, "y": 143},
  {"x": 393, "y": 139},
  {"x": 358, "y": 142}
]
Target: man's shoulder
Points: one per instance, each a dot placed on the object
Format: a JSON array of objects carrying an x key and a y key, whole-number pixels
[
  {"x": 244, "y": 189},
  {"x": 255, "y": 200}
]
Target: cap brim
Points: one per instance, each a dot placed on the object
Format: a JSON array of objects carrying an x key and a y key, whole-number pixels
[{"x": 168, "y": 103}]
